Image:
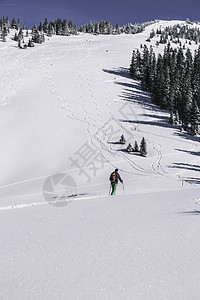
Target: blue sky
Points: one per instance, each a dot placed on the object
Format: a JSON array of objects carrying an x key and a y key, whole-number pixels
[{"x": 82, "y": 11}]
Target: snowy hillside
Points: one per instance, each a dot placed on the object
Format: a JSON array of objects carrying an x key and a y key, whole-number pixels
[{"x": 64, "y": 105}]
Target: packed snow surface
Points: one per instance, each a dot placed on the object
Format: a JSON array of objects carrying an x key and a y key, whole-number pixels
[{"x": 63, "y": 107}]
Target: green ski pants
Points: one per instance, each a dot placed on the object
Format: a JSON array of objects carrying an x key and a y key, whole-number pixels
[{"x": 114, "y": 187}]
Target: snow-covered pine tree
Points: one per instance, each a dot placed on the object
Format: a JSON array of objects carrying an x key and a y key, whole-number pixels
[
  {"x": 136, "y": 148},
  {"x": 40, "y": 27},
  {"x": 36, "y": 37},
  {"x": 122, "y": 140},
  {"x": 50, "y": 30},
  {"x": 143, "y": 147},
  {"x": 96, "y": 28},
  {"x": 129, "y": 148},
  {"x": 195, "y": 118},
  {"x": 58, "y": 26},
  {"x": 19, "y": 24},
  {"x": 133, "y": 65},
  {"x": 109, "y": 27},
  {"x": 16, "y": 37},
  {"x": 187, "y": 92},
  {"x": 152, "y": 69},
  {"x": 166, "y": 87},
  {"x": 24, "y": 27},
  {"x": 14, "y": 24},
  {"x": 157, "y": 93},
  {"x": 65, "y": 28},
  {"x": 117, "y": 30},
  {"x": 70, "y": 26},
  {"x": 146, "y": 68},
  {"x": 196, "y": 77},
  {"x": 45, "y": 25}
]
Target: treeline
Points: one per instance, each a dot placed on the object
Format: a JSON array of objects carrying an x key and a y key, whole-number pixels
[
  {"x": 106, "y": 27},
  {"x": 37, "y": 34},
  {"x": 173, "y": 79},
  {"x": 63, "y": 27},
  {"x": 58, "y": 27},
  {"x": 175, "y": 33}
]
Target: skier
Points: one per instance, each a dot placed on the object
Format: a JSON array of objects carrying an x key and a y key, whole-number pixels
[{"x": 114, "y": 177}]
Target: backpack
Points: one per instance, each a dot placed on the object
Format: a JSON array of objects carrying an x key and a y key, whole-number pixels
[{"x": 112, "y": 177}]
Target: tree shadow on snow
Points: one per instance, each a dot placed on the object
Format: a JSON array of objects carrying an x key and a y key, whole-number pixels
[
  {"x": 114, "y": 143},
  {"x": 189, "y": 152},
  {"x": 187, "y": 136},
  {"x": 121, "y": 71},
  {"x": 192, "y": 180},
  {"x": 189, "y": 212},
  {"x": 133, "y": 93},
  {"x": 153, "y": 123},
  {"x": 185, "y": 166}
]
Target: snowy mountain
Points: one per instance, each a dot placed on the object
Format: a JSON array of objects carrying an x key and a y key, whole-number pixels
[{"x": 64, "y": 105}]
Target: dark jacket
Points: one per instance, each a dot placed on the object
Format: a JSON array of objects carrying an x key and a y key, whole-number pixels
[{"x": 117, "y": 177}]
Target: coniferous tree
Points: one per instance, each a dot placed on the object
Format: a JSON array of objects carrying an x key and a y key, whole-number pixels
[
  {"x": 136, "y": 148},
  {"x": 18, "y": 24},
  {"x": 65, "y": 29},
  {"x": 159, "y": 82},
  {"x": 143, "y": 147},
  {"x": 129, "y": 148},
  {"x": 36, "y": 37},
  {"x": 117, "y": 31},
  {"x": 187, "y": 93},
  {"x": 122, "y": 140},
  {"x": 145, "y": 68},
  {"x": 152, "y": 69},
  {"x": 196, "y": 77},
  {"x": 173, "y": 80},
  {"x": 45, "y": 26},
  {"x": 14, "y": 24},
  {"x": 40, "y": 27},
  {"x": 50, "y": 30},
  {"x": 24, "y": 26},
  {"x": 96, "y": 28},
  {"x": 16, "y": 37},
  {"x": 58, "y": 26},
  {"x": 133, "y": 65},
  {"x": 195, "y": 118},
  {"x": 70, "y": 26}
]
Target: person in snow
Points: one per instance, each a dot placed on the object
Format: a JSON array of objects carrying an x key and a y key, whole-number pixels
[{"x": 114, "y": 177}]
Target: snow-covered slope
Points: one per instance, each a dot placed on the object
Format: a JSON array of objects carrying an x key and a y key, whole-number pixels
[{"x": 64, "y": 105}]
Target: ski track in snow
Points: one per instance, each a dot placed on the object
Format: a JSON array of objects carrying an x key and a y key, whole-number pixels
[
  {"x": 66, "y": 201},
  {"x": 21, "y": 63},
  {"x": 24, "y": 60},
  {"x": 156, "y": 164},
  {"x": 107, "y": 104},
  {"x": 145, "y": 242},
  {"x": 9, "y": 74}
]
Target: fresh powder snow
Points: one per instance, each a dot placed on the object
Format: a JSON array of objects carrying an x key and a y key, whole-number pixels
[{"x": 64, "y": 105}]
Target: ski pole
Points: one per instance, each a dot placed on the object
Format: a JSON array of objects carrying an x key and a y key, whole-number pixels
[
  {"x": 109, "y": 190},
  {"x": 123, "y": 188}
]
